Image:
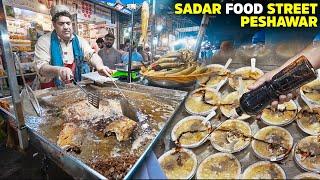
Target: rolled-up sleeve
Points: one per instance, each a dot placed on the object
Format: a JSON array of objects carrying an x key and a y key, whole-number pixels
[
  {"x": 42, "y": 56},
  {"x": 42, "y": 52},
  {"x": 86, "y": 48}
]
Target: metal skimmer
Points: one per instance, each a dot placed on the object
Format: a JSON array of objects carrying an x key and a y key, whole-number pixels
[
  {"x": 27, "y": 90},
  {"x": 127, "y": 108},
  {"x": 93, "y": 99}
]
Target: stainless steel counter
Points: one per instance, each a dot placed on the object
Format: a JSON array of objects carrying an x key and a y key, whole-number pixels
[{"x": 76, "y": 165}]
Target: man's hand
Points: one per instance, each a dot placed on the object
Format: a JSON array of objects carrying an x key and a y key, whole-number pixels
[
  {"x": 65, "y": 73},
  {"x": 104, "y": 71},
  {"x": 97, "y": 63},
  {"x": 282, "y": 98}
]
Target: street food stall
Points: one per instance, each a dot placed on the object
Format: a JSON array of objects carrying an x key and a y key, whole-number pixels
[
  {"x": 193, "y": 134},
  {"x": 273, "y": 146},
  {"x": 88, "y": 143},
  {"x": 232, "y": 148}
]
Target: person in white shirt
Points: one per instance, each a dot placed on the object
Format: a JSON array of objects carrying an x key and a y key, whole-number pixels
[{"x": 61, "y": 55}]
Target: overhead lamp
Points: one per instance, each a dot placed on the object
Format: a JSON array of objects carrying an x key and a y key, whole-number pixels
[{"x": 159, "y": 28}]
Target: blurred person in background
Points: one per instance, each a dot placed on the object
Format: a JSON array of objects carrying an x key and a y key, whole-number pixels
[
  {"x": 144, "y": 54},
  {"x": 100, "y": 43},
  {"x": 127, "y": 45},
  {"x": 136, "y": 57},
  {"x": 122, "y": 49},
  {"x": 148, "y": 51},
  {"x": 225, "y": 52},
  {"x": 226, "y": 49},
  {"x": 109, "y": 55}
]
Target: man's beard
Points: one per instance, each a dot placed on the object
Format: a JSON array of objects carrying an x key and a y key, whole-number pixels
[{"x": 108, "y": 45}]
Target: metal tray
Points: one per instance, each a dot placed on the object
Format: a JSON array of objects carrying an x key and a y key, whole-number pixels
[{"x": 44, "y": 137}]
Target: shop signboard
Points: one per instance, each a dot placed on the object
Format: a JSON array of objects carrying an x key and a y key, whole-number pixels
[
  {"x": 103, "y": 12},
  {"x": 126, "y": 11}
]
